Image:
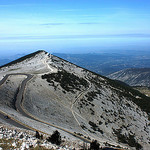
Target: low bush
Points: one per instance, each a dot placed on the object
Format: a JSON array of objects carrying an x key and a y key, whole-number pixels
[{"x": 55, "y": 138}]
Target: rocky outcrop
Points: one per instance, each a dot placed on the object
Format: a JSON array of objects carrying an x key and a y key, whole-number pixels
[{"x": 14, "y": 138}]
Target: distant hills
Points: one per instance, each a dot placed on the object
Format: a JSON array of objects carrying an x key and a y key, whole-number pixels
[
  {"x": 133, "y": 76},
  {"x": 4, "y": 61},
  {"x": 108, "y": 63}
]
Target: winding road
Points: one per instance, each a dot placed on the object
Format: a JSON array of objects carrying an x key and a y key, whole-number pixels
[
  {"x": 20, "y": 94},
  {"x": 21, "y": 110},
  {"x": 3, "y": 115},
  {"x": 11, "y": 121},
  {"x": 77, "y": 99},
  {"x": 19, "y": 99}
]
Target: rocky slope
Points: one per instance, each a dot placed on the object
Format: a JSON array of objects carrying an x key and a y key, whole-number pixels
[
  {"x": 15, "y": 138},
  {"x": 81, "y": 102},
  {"x": 133, "y": 76}
]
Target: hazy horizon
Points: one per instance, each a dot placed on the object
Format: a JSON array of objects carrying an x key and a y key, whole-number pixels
[{"x": 69, "y": 26}]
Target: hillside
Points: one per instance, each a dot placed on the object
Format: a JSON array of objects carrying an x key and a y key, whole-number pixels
[
  {"x": 77, "y": 102},
  {"x": 133, "y": 76}
]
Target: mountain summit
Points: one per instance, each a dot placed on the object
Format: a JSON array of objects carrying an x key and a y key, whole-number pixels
[{"x": 56, "y": 94}]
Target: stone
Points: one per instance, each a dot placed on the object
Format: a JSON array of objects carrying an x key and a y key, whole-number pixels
[
  {"x": 27, "y": 146},
  {"x": 20, "y": 136},
  {"x": 1, "y": 136},
  {"x": 14, "y": 144}
]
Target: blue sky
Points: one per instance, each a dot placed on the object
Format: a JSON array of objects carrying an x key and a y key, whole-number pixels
[{"x": 74, "y": 25}]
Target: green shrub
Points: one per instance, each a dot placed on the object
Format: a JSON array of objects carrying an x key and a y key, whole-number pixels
[
  {"x": 130, "y": 140},
  {"x": 55, "y": 138},
  {"x": 94, "y": 145},
  {"x": 68, "y": 81}
]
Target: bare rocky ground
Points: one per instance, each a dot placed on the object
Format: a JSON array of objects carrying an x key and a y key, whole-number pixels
[
  {"x": 87, "y": 104},
  {"x": 19, "y": 139}
]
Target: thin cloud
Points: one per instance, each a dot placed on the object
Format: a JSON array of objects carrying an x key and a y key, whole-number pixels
[
  {"x": 89, "y": 23},
  {"x": 133, "y": 35},
  {"x": 69, "y": 10},
  {"x": 27, "y": 37},
  {"x": 52, "y": 24},
  {"x": 5, "y": 5},
  {"x": 81, "y": 23},
  {"x": 12, "y": 5}
]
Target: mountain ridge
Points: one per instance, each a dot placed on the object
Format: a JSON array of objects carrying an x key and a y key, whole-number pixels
[
  {"x": 133, "y": 76},
  {"x": 22, "y": 58}
]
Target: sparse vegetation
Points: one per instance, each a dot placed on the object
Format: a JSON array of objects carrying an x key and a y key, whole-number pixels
[
  {"x": 130, "y": 93},
  {"x": 94, "y": 145},
  {"x": 92, "y": 111},
  {"x": 83, "y": 127},
  {"x": 144, "y": 90},
  {"x": 68, "y": 81},
  {"x": 80, "y": 134},
  {"x": 55, "y": 138},
  {"x": 95, "y": 127},
  {"x": 100, "y": 122},
  {"x": 7, "y": 144},
  {"x": 38, "y": 136},
  {"x": 91, "y": 95},
  {"x": 130, "y": 139},
  {"x": 40, "y": 148},
  {"x": 124, "y": 90}
]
